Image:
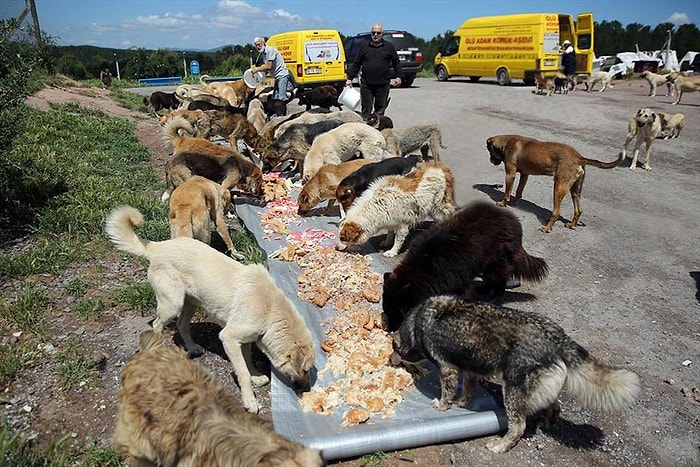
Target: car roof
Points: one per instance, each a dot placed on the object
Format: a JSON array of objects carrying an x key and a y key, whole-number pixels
[{"x": 386, "y": 31}]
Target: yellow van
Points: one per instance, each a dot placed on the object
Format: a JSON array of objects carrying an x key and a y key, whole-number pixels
[
  {"x": 313, "y": 57},
  {"x": 515, "y": 46}
]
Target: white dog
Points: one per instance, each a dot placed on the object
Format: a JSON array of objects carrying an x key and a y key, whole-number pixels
[
  {"x": 655, "y": 80},
  {"x": 599, "y": 77},
  {"x": 397, "y": 203},
  {"x": 645, "y": 126},
  {"x": 341, "y": 144},
  {"x": 243, "y": 299}
]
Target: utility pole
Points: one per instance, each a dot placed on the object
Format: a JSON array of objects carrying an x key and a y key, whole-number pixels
[
  {"x": 184, "y": 64},
  {"x": 117, "y": 64}
]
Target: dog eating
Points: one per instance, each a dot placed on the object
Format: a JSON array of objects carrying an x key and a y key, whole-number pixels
[
  {"x": 322, "y": 186},
  {"x": 528, "y": 156},
  {"x": 397, "y": 203},
  {"x": 478, "y": 240},
  {"x": 532, "y": 356},
  {"x": 243, "y": 299}
]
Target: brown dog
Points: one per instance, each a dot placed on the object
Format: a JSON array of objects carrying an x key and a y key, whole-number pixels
[
  {"x": 197, "y": 156},
  {"x": 194, "y": 205},
  {"x": 322, "y": 185},
  {"x": 528, "y": 156},
  {"x": 172, "y": 412},
  {"x": 543, "y": 85}
]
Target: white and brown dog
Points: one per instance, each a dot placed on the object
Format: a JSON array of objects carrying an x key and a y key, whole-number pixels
[
  {"x": 655, "y": 80},
  {"x": 397, "y": 203},
  {"x": 645, "y": 126},
  {"x": 598, "y": 77}
]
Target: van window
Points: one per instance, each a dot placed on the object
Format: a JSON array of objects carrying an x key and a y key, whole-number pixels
[
  {"x": 584, "y": 42},
  {"x": 451, "y": 47},
  {"x": 320, "y": 51}
]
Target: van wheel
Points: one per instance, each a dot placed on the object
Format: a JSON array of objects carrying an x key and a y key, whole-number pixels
[
  {"x": 474, "y": 79},
  {"x": 503, "y": 78},
  {"x": 441, "y": 73}
]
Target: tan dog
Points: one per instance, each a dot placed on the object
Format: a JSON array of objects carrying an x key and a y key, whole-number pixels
[
  {"x": 671, "y": 125},
  {"x": 655, "y": 80},
  {"x": 682, "y": 84},
  {"x": 173, "y": 412},
  {"x": 528, "y": 156},
  {"x": 194, "y": 205},
  {"x": 543, "y": 85},
  {"x": 197, "y": 156},
  {"x": 323, "y": 185},
  {"x": 234, "y": 92},
  {"x": 598, "y": 77},
  {"x": 645, "y": 126},
  {"x": 243, "y": 299},
  {"x": 256, "y": 115}
]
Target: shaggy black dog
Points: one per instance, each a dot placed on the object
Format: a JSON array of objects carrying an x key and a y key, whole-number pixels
[
  {"x": 322, "y": 96},
  {"x": 480, "y": 239},
  {"x": 162, "y": 100}
]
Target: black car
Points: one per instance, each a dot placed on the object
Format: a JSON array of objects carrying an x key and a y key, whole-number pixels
[{"x": 406, "y": 47}]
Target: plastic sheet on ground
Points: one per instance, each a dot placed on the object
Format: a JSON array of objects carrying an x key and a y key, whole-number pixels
[{"x": 415, "y": 422}]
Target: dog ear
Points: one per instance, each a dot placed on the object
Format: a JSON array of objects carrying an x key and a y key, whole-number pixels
[{"x": 653, "y": 116}]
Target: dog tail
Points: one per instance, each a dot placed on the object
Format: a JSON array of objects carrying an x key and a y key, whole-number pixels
[
  {"x": 604, "y": 165},
  {"x": 596, "y": 384},
  {"x": 172, "y": 128},
  {"x": 529, "y": 268},
  {"x": 120, "y": 230}
]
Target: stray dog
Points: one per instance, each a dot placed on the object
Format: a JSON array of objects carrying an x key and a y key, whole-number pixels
[
  {"x": 671, "y": 125},
  {"x": 256, "y": 114},
  {"x": 645, "y": 126},
  {"x": 562, "y": 83},
  {"x": 655, "y": 80},
  {"x": 162, "y": 100},
  {"x": 528, "y": 352},
  {"x": 598, "y": 77},
  {"x": 480, "y": 239},
  {"x": 682, "y": 84},
  {"x": 342, "y": 144},
  {"x": 296, "y": 141},
  {"x": 243, "y": 299},
  {"x": 322, "y": 96},
  {"x": 380, "y": 122},
  {"x": 425, "y": 193},
  {"x": 173, "y": 412},
  {"x": 323, "y": 185},
  {"x": 352, "y": 186},
  {"x": 528, "y": 156},
  {"x": 197, "y": 156},
  {"x": 234, "y": 92},
  {"x": 194, "y": 205},
  {"x": 543, "y": 85},
  {"x": 424, "y": 136}
]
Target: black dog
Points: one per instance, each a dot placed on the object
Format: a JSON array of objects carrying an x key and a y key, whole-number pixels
[
  {"x": 480, "y": 239},
  {"x": 380, "y": 122},
  {"x": 357, "y": 182},
  {"x": 322, "y": 96},
  {"x": 162, "y": 100}
]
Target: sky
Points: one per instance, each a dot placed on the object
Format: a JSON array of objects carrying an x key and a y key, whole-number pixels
[{"x": 208, "y": 24}]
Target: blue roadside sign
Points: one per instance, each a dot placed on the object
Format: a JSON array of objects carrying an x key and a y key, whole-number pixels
[{"x": 194, "y": 67}]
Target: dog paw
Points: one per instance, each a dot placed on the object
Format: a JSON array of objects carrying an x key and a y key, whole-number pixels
[
  {"x": 632, "y": 167},
  {"x": 390, "y": 254},
  {"x": 236, "y": 255},
  {"x": 498, "y": 446},
  {"x": 503, "y": 203},
  {"x": 647, "y": 168},
  {"x": 251, "y": 405},
  {"x": 260, "y": 380},
  {"x": 439, "y": 404},
  {"x": 195, "y": 351},
  {"x": 545, "y": 229}
]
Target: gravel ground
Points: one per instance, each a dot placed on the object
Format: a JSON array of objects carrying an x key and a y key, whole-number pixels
[{"x": 624, "y": 285}]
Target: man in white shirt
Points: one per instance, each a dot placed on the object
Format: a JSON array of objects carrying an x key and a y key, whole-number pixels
[{"x": 273, "y": 63}]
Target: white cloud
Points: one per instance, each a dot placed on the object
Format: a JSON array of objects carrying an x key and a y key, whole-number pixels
[{"x": 679, "y": 18}]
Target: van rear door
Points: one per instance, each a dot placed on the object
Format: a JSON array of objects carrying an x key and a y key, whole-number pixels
[
  {"x": 584, "y": 43},
  {"x": 324, "y": 58}
]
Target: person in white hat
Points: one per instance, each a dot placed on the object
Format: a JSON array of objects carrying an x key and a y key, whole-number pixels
[
  {"x": 273, "y": 63},
  {"x": 568, "y": 62}
]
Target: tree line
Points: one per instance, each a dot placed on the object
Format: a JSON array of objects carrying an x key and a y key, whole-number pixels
[{"x": 81, "y": 62}]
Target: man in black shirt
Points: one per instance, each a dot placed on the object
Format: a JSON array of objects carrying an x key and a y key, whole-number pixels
[{"x": 375, "y": 59}]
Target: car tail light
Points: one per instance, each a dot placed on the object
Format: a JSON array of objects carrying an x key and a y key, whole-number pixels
[
  {"x": 419, "y": 57},
  {"x": 300, "y": 70}
]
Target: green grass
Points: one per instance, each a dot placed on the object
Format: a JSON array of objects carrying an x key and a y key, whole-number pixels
[
  {"x": 76, "y": 367},
  {"x": 13, "y": 360},
  {"x": 28, "y": 312},
  {"x": 89, "y": 308},
  {"x": 376, "y": 459},
  {"x": 138, "y": 296},
  {"x": 77, "y": 287}
]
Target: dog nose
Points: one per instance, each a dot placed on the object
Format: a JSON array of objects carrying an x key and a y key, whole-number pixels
[
  {"x": 303, "y": 384},
  {"x": 395, "y": 359}
]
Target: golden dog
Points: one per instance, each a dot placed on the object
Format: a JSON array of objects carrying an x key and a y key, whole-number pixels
[
  {"x": 655, "y": 80},
  {"x": 645, "y": 126},
  {"x": 682, "y": 84},
  {"x": 528, "y": 156},
  {"x": 194, "y": 205},
  {"x": 197, "y": 156},
  {"x": 243, "y": 299},
  {"x": 671, "y": 125},
  {"x": 234, "y": 92},
  {"x": 322, "y": 186},
  {"x": 173, "y": 412}
]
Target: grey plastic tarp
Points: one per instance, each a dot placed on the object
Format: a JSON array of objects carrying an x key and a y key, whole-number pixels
[{"x": 415, "y": 422}]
